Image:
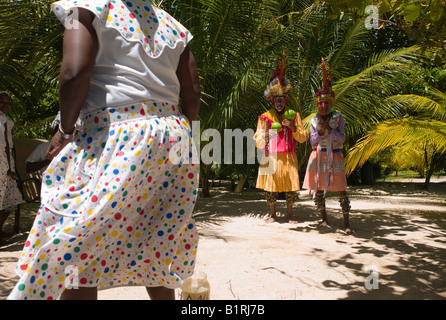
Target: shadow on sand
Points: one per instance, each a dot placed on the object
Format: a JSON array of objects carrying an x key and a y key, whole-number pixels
[{"x": 397, "y": 220}]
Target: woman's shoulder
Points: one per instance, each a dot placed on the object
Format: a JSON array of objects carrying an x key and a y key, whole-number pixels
[{"x": 136, "y": 21}]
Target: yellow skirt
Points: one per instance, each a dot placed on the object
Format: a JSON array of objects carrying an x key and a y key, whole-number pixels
[{"x": 278, "y": 173}]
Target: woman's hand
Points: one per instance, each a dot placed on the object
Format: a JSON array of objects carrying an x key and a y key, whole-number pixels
[
  {"x": 13, "y": 175},
  {"x": 56, "y": 145}
]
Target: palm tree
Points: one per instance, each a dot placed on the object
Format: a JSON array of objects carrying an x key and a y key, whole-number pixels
[
  {"x": 422, "y": 127},
  {"x": 31, "y": 51},
  {"x": 237, "y": 45}
]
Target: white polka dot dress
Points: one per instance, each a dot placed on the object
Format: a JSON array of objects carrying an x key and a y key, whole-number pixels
[
  {"x": 117, "y": 202},
  {"x": 116, "y": 206}
]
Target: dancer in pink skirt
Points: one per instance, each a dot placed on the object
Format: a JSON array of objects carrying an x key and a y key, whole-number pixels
[
  {"x": 326, "y": 169},
  {"x": 116, "y": 209}
]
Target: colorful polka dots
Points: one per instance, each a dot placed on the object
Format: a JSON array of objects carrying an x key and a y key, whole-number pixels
[
  {"x": 135, "y": 20},
  {"x": 10, "y": 195},
  {"x": 117, "y": 219}
]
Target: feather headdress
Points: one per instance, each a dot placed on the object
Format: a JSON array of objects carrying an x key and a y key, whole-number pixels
[
  {"x": 278, "y": 83},
  {"x": 325, "y": 92}
]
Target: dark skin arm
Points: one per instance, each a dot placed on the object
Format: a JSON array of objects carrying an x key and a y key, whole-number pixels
[
  {"x": 80, "y": 46},
  {"x": 8, "y": 155},
  {"x": 35, "y": 166},
  {"x": 190, "y": 92}
]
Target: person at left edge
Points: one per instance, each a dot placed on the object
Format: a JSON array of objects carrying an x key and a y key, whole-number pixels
[
  {"x": 10, "y": 195},
  {"x": 115, "y": 211}
]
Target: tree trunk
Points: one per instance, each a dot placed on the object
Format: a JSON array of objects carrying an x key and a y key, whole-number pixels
[
  {"x": 205, "y": 184},
  {"x": 367, "y": 174},
  {"x": 241, "y": 183},
  {"x": 426, "y": 181},
  {"x": 431, "y": 165},
  {"x": 427, "y": 170}
]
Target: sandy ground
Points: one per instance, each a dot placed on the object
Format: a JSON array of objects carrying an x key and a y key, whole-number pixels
[{"x": 398, "y": 248}]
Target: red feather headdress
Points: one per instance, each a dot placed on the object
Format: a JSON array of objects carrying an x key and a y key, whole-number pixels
[
  {"x": 325, "y": 92},
  {"x": 278, "y": 84}
]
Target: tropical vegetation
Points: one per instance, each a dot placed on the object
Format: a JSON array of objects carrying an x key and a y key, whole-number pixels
[{"x": 389, "y": 82}]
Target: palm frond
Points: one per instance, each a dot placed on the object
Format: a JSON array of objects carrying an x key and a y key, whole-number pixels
[
  {"x": 397, "y": 132},
  {"x": 386, "y": 63},
  {"x": 424, "y": 105}
]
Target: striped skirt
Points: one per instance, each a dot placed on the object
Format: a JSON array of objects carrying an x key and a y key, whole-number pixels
[{"x": 338, "y": 180}]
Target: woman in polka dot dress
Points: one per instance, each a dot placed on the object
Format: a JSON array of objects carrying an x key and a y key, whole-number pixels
[
  {"x": 10, "y": 196},
  {"x": 117, "y": 199}
]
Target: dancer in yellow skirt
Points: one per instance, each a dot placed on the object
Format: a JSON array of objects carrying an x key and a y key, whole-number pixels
[{"x": 278, "y": 171}]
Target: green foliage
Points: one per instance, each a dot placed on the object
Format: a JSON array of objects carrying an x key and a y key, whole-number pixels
[
  {"x": 422, "y": 20},
  {"x": 417, "y": 136},
  {"x": 30, "y": 48},
  {"x": 239, "y": 43}
]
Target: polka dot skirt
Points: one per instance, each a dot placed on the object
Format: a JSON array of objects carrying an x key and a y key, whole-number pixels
[
  {"x": 116, "y": 206},
  {"x": 10, "y": 195}
]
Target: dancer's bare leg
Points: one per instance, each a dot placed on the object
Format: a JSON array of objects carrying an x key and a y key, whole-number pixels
[
  {"x": 82, "y": 293},
  {"x": 3, "y": 216},
  {"x": 289, "y": 214},
  {"x": 160, "y": 293},
  {"x": 273, "y": 218},
  {"x": 320, "y": 203},
  {"x": 345, "y": 206}
]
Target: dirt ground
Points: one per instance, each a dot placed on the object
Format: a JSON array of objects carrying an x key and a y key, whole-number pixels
[{"x": 397, "y": 250}]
